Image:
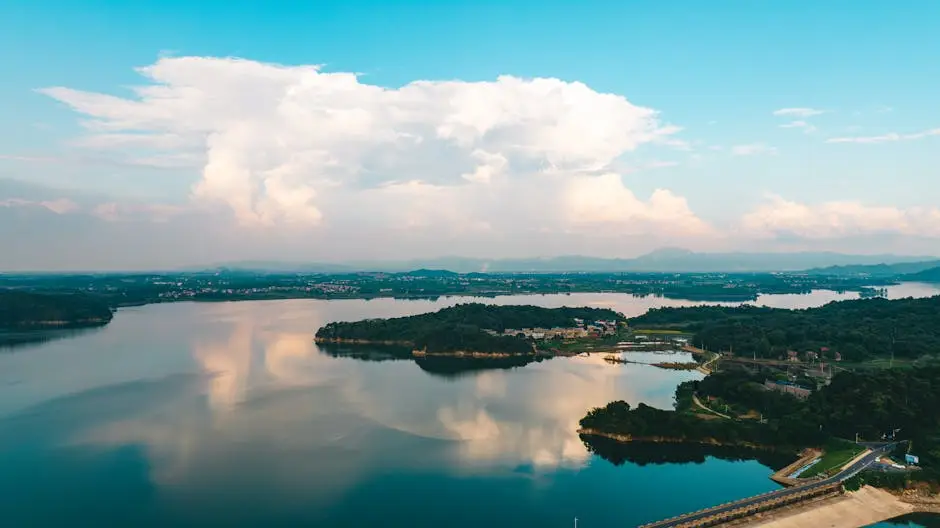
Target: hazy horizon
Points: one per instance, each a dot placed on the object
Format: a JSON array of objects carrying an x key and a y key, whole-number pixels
[{"x": 368, "y": 131}]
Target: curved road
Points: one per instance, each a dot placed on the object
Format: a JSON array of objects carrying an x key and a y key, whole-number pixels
[{"x": 842, "y": 476}]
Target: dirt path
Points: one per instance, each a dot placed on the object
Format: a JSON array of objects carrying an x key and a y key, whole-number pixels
[{"x": 698, "y": 402}]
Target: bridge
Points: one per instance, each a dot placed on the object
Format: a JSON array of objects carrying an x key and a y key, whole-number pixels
[{"x": 772, "y": 500}]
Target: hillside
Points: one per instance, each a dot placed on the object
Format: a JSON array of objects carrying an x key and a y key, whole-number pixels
[
  {"x": 878, "y": 270},
  {"x": 928, "y": 275},
  {"x": 33, "y": 311}
]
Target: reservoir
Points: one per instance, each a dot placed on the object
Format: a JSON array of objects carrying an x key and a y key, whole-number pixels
[{"x": 228, "y": 414}]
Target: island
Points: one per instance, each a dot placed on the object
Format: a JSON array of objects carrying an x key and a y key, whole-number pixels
[{"x": 477, "y": 330}]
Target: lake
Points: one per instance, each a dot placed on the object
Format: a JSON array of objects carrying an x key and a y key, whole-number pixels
[{"x": 228, "y": 414}]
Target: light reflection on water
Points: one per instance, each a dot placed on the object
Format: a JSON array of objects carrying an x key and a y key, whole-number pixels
[{"x": 208, "y": 413}]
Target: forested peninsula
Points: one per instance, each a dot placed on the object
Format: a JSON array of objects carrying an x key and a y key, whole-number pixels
[
  {"x": 876, "y": 405},
  {"x": 27, "y": 311},
  {"x": 473, "y": 329},
  {"x": 854, "y": 330}
]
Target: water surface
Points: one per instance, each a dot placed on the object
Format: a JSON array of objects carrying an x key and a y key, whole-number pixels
[{"x": 205, "y": 414}]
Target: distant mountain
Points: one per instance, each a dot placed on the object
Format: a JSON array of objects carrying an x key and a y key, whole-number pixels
[
  {"x": 878, "y": 270},
  {"x": 283, "y": 267},
  {"x": 434, "y": 273},
  {"x": 927, "y": 275},
  {"x": 667, "y": 260}
]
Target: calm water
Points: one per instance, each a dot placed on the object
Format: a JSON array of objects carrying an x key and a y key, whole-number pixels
[{"x": 205, "y": 414}]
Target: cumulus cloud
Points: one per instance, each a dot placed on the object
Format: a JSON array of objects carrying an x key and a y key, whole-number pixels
[
  {"x": 603, "y": 201},
  {"x": 798, "y": 112},
  {"x": 753, "y": 149},
  {"x": 839, "y": 219},
  {"x": 886, "y": 138},
  {"x": 294, "y": 144}
]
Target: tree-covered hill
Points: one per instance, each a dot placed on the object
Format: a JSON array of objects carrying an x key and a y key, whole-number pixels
[
  {"x": 28, "y": 311},
  {"x": 857, "y": 329},
  {"x": 464, "y": 327}
]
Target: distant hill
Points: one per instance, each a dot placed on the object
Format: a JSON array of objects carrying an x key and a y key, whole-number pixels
[
  {"x": 667, "y": 260},
  {"x": 878, "y": 270},
  {"x": 927, "y": 275}
]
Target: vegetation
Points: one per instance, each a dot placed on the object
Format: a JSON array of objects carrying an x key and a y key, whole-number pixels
[
  {"x": 223, "y": 284},
  {"x": 647, "y": 423},
  {"x": 857, "y": 330},
  {"x": 34, "y": 311},
  {"x": 837, "y": 453},
  {"x": 465, "y": 327},
  {"x": 874, "y": 404}
]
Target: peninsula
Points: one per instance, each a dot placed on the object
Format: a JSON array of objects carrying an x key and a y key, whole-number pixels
[
  {"x": 826, "y": 378},
  {"x": 30, "y": 311},
  {"x": 478, "y": 330}
]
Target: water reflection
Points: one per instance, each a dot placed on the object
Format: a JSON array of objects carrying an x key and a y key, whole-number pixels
[
  {"x": 16, "y": 340},
  {"x": 644, "y": 453},
  {"x": 448, "y": 367}
]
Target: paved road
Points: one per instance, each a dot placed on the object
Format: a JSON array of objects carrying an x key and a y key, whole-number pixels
[{"x": 842, "y": 476}]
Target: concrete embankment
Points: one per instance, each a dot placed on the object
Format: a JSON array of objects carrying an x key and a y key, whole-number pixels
[
  {"x": 784, "y": 476},
  {"x": 851, "y": 510}
]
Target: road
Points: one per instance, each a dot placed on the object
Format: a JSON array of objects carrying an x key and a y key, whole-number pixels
[{"x": 842, "y": 476}]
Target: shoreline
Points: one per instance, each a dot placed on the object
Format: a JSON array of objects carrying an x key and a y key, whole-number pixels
[
  {"x": 422, "y": 353},
  {"x": 627, "y": 439}
]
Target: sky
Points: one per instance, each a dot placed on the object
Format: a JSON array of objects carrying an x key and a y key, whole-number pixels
[{"x": 162, "y": 134}]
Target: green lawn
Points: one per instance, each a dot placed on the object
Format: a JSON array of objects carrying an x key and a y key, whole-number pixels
[
  {"x": 653, "y": 331},
  {"x": 837, "y": 454}
]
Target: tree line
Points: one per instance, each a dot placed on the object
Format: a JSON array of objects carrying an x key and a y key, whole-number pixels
[
  {"x": 857, "y": 330},
  {"x": 464, "y": 327},
  {"x": 21, "y": 310}
]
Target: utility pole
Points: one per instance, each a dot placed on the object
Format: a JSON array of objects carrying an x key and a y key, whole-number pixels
[
  {"x": 575, "y": 522},
  {"x": 894, "y": 335}
]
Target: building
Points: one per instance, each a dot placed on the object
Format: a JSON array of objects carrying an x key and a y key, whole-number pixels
[
  {"x": 788, "y": 388},
  {"x": 793, "y": 355}
]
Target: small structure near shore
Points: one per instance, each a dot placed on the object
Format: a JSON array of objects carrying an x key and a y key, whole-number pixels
[{"x": 788, "y": 388}]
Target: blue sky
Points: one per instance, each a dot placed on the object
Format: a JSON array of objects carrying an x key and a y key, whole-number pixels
[{"x": 851, "y": 166}]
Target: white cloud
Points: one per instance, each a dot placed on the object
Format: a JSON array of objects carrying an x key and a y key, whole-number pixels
[
  {"x": 280, "y": 144},
  {"x": 838, "y": 219},
  {"x": 603, "y": 201},
  {"x": 753, "y": 149},
  {"x": 886, "y": 138},
  {"x": 798, "y": 112},
  {"x": 805, "y": 126}
]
